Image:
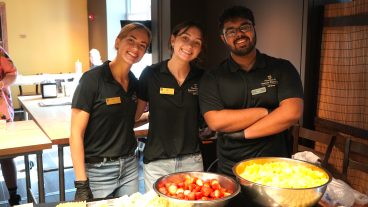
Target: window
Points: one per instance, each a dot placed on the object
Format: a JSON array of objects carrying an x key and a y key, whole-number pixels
[{"x": 140, "y": 10}]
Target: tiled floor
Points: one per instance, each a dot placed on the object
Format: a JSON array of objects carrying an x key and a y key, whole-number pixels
[{"x": 51, "y": 177}]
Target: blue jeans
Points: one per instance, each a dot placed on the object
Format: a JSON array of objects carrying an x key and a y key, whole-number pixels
[
  {"x": 114, "y": 178},
  {"x": 155, "y": 169}
]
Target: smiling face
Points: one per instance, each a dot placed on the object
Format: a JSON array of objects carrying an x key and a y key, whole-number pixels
[
  {"x": 132, "y": 47},
  {"x": 187, "y": 44},
  {"x": 239, "y": 36}
]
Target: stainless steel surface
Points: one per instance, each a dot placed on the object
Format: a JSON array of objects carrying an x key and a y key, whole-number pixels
[
  {"x": 225, "y": 182},
  {"x": 274, "y": 196}
]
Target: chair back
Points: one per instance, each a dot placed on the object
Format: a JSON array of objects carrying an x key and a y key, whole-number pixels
[
  {"x": 305, "y": 139},
  {"x": 355, "y": 154}
]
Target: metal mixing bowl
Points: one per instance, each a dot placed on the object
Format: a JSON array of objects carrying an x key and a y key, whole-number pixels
[
  {"x": 275, "y": 196},
  {"x": 225, "y": 182}
]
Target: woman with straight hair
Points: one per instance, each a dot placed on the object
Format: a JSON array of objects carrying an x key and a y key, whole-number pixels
[
  {"x": 102, "y": 139},
  {"x": 170, "y": 88}
]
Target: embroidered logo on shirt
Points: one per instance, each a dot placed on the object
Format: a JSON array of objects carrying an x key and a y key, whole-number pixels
[
  {"x": 167, "y": 91},
  {"x": 113, "y": 100},
  {"x": 193, "y": 89},
  {"x": 269, "y": 82}
]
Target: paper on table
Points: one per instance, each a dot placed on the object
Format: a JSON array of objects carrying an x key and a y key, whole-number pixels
[{"x": 56, "y": 102}]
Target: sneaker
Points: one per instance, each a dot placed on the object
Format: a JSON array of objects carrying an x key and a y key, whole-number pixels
[{"x": 14, "y": 200}]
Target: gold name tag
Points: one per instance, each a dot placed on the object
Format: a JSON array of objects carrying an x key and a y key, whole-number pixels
[
  {"x": 114, "y": 100},
  {"x": 258, "y": 91},
  {"x": 167, "y": 91}
]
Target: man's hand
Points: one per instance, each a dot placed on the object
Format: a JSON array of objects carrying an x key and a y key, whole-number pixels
[{"x": 83, "y": 192}]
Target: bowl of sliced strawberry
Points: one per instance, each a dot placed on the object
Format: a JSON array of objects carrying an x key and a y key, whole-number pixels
[{"x": 192, "y": 189}]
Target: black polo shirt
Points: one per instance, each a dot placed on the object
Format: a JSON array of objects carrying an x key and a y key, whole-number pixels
[
  {"x": 174, "y": 112},
  {"x": 269, "y": 82},
  {"x": 109, "y": 131}
]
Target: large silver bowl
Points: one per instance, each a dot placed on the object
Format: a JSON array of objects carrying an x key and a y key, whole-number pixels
[
  {"x": 225, "y": 182},
  {"x": 275, "y": 196}
]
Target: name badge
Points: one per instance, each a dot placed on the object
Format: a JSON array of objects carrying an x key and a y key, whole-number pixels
[
  {"x": 167, "y": 91},
  {"x": 258, "y": 91},
  {"x": 113, "y": 100}
]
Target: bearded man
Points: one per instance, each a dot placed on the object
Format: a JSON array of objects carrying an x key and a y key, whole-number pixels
[{"x": 251, "y": 99}]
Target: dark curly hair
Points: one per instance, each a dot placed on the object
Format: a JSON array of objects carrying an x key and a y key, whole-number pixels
[{"x": 233, "y": 13}]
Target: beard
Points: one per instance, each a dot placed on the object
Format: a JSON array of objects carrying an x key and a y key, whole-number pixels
[{"x": 245, "y": 50}]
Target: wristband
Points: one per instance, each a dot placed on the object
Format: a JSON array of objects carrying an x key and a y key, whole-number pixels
[{"x": 82, "y": 183}]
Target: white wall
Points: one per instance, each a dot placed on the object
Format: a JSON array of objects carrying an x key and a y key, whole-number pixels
[
  {"x": 279, "y": 27},
  {"x": 116, "y": 11}
]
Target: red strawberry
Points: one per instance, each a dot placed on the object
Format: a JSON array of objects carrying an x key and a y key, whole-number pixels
[
  {"x": 180, "y": 185},
  {"x": 163, "y": 190},
  {"x": 160, "y": 185},
  {"x": 198, "y": 195},
  {"x": 192, "y": 186},
  {"x": 191, "y": 196},
  {"x": 215, "y": 184},
  {"x": 187, "y": 182},
  {"x": 206, "y": 191},
  {"x": 218, "y": 194},
  {"x": 180, "y": 195},
  {"x": 197, "y": 188}
]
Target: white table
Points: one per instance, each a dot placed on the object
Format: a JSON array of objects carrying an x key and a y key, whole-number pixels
[
  {"x": 55, "y": 121},
  {"x": 23, "y": 138}
]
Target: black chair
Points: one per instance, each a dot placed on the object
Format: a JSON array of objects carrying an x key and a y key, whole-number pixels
[
  {"x": 355, "y": 157},
  {"x": 33, "y": 198},
  {"x": 305, "y": 139},
  {"x": 21, "y": 92}
]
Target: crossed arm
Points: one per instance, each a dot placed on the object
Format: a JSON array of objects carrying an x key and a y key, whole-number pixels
[{"x": 256, "y": 122}]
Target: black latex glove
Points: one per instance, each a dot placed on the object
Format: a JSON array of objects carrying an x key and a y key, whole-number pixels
[
  {"x": 269, "y": 110},
  {"x": 83, "y": 192},
  {"x": 234, "y": 135}
]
